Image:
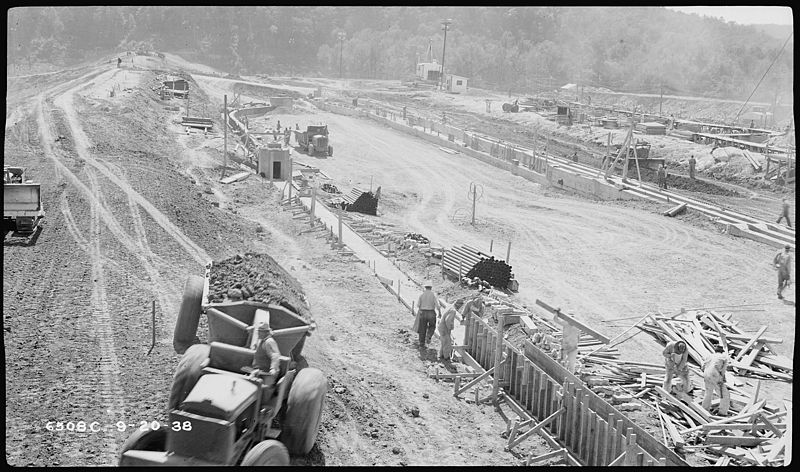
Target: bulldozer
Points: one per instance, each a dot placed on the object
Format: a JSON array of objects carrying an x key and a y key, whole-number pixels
[
  {"x": 220, "y": 411},
  {"x": 314, "y": 140},
  {"x": 22, "y": 202}
]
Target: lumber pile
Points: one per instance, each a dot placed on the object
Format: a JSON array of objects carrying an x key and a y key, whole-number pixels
[
  {"x": 752, "y": 433},
  {"x": 750, "y": 354}
]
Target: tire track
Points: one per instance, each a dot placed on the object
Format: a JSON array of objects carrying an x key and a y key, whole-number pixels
[{"x": 65, "y": 103}]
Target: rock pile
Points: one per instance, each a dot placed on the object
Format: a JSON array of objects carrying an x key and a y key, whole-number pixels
[{"x": 256, "y": 277}]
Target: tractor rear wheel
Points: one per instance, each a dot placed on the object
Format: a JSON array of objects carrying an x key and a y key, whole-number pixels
[
  {"x": 145, "y": 440},
  {"x": 304, "y": 410},
  {"x": 268, "y": 452},
  {"x": 186, "y": 374},
  {"x": 189, "y": 314}
]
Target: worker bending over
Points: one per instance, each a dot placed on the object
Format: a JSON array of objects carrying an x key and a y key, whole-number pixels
[
  {"x": 446, "y": 326},
  {"x": 676, "y": 358},
  {"x": 714, "y": 378}
]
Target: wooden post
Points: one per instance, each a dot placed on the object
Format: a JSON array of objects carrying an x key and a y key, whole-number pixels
[
  {"x": 291, "y": 180},
  {"x": 339, "y": 215},
  {"x": 498, "y": 354},
  {"x": 460, "y": 264},
  {"x": 313, "y": 202},
  {"x": 225, "y": 135},
  {"x": 491, "y": 245},
  {"x": 508, "y": 252},
  {"x": 154, "y": 329}
]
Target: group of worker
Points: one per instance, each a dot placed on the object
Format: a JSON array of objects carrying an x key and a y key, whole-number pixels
[
  {"x": 676, "y": 362},
  {"x": 429, "y": 310}
]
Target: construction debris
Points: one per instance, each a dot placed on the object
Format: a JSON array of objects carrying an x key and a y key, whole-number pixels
[{"x": 493, "y": 271}]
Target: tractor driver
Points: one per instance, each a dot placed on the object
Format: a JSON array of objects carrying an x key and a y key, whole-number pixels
[{"x": 266, "y": 360}]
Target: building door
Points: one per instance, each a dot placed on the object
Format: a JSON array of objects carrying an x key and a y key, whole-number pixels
[{"x": 276, "y": 170}]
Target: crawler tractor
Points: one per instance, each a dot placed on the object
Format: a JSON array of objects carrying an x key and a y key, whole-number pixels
[{"x": 219, "y": 414}]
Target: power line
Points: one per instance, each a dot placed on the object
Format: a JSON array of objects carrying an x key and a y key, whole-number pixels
[{"x": 762, "y": 77}]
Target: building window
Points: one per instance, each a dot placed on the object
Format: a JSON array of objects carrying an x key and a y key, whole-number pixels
[{"x": 458, "y": 82}]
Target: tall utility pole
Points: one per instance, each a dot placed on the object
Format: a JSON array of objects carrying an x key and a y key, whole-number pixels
[
  {"x": 661, "y": 100},
  {"x": 445, "y": 24},
  {"x": 341, "y": 35}
]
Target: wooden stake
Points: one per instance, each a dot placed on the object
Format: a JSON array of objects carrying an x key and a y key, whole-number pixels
[
  {"x": 225, "y": 133},
  {"x": 498, "y": 353}
]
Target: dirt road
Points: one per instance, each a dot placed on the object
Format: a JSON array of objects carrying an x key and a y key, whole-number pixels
[{"x": 597, "y": 260}]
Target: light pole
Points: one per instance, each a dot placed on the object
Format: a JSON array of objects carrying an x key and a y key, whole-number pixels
[
  {"x": 445, "y": 24},
  {"x": 341, "y": 35}
]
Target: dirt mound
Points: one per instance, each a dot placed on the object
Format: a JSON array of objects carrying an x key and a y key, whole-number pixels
[{"x": 259, "y": 278}]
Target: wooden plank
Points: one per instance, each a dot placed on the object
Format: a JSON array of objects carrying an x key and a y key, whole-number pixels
[
  {"x": 751, "y": 356},
  {"x": 602, "y": 446},
  {"x": 584, "y": 431},
  {"x": 749, "y": 344},
  {"x": 544, "y": 457},
  {"x": 535, "y": 429},
  {"x": 747, "y": 441},
  {"x": 576, "y": 419},
  {"x": 620, "y": 460},
  {"x": 776, "y": 449},
  {"x": 676, "y": 437},
  {"x": 721, "y": 422},
  {"x": 683, "y": 406},
  {"x": 571, "y": 320},
  {"x": 611, "y": 450},
  {"x": 787, "y": 455},
  {"x": 631, "y": 449},
  {"x": 594, "y": 446},
  {"x": 764, "y": 372}
]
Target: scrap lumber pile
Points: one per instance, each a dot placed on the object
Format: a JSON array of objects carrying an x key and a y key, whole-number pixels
[
  {"x": 492, "y": 270},
  {"x": 417, "y": 237},
  {"x": 750, "y": 354},
  {"x": 752, "y": 433}
]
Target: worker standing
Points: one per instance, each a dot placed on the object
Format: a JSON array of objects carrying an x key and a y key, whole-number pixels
[
  {"x": 446, "y": 326},
  {"x": 428, "y": 308},
  {"x": 575, "y": 157},
  {"x": 692, "y": 165},
  {"x": 676, "y": 358},
  {"x": 785, "y": 212},
  {"x": 783, "y": 262},
  {"x": 660, "y": 176},
  {"x": 714, "y": 378}
]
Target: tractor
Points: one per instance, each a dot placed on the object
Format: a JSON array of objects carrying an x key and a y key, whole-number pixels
[
  {"x": 314, "y": 140},
  {"x": 220, "y": 411},
  {"x": 22, "y": 201}
]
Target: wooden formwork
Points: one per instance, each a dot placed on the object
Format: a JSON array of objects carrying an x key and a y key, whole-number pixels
[{"x": 589, "y": 429}]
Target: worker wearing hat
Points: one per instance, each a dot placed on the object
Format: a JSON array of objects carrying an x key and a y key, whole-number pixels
[
  {"x": 266, "y": 360},
  {"x": 427, "y": 310},
  {"x": 676, "y": 358},
  {"x": 783, "y": 262}
]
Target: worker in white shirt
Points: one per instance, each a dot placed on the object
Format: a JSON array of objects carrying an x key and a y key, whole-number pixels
[
  {"x": 714, "y": 378},
  {"x": 676, "y": 359}
]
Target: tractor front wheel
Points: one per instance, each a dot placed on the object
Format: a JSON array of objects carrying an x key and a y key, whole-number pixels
[
  {"x": 189, "y": 314},
  {"x": 304, "y": 410},
  {"x": 145, "y": 440},
  {"x": 269, "y": 452}
]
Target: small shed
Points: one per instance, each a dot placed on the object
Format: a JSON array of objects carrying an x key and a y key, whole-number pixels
[
  {"x": 273, "y": 161},
  {"x": 429, "y": 70},
  {"x": 455, "y": 83}
]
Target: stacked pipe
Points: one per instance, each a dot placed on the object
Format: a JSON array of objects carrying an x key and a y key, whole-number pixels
[
  {"x": 367, "y": 204},
  {"x": 494, "y": 271}
]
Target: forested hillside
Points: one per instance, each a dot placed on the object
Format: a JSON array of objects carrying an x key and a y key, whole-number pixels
[{"x": 633, "y": 49}]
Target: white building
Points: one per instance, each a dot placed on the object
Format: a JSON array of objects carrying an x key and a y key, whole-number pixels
[
  {"x": 429, "y": 71},
  {"x": 455, "y": 83}
]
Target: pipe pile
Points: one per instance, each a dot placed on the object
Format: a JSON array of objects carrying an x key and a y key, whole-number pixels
[{"x": 493, "y": 271}]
